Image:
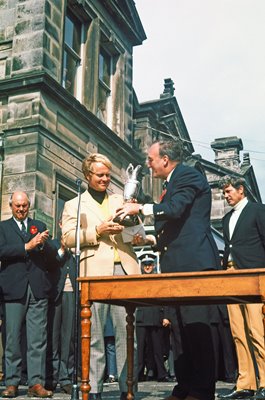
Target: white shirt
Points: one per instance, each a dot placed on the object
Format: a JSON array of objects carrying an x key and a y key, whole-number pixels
[
  {"x": 19, "y": 223},
  {"x": 238, "y": 208}
]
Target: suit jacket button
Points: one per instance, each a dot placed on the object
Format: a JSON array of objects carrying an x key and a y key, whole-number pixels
[
  {"x": 230, "y": 246},
  {"x": 165, "y": 248}
]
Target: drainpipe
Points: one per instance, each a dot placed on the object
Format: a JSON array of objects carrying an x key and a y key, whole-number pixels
[{"x": 1, "y": 168}]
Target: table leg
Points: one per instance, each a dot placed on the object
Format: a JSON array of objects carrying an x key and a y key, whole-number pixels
[
  {"x": 263, "y": 313},
  {"x": 85, "y": 340},
  {"x": 130, "y": 350}
]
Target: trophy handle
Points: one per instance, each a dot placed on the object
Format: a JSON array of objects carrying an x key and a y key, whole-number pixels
[
  {"x": 129, "y": 171},
  {"x": 136, "y": 171}
]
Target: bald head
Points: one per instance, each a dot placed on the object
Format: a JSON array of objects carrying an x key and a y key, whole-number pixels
[{"x": 19, "y": 203}]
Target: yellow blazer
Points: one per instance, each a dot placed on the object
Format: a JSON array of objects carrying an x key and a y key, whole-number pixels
[{"x": 97, "y": 256}]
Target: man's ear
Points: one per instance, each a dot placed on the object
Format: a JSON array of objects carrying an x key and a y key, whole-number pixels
[
  {"x": 241, "y": 189},
  {"x": 166, "y": 160}
]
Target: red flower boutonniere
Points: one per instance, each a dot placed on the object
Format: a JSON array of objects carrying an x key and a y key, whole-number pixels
[{"x": 33, "y": 230}]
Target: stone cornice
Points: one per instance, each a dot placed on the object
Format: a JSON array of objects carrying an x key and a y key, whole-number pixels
[{"x": 41, "y": 81}]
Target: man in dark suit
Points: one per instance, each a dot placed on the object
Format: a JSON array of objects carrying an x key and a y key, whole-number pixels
[
  {"x": 25, "y": 253},
  {"x": 60, "y": 348},
  {"x": 184, "y": 239},
  {"x": 244, "y": 235},
  {"x": 150, "y": 333}
]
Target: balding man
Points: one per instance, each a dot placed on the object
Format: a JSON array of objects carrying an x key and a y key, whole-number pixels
[
  {"x": 186, "y": 244},
  {"x": 25, "y": 253}
]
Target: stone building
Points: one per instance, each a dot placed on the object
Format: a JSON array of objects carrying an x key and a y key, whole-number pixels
[
  {"x": 65, "y": 91},
  {"x": 162, "y": 118}
]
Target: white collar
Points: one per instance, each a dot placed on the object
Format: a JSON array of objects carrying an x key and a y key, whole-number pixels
[{"x": 241, "y": 204}]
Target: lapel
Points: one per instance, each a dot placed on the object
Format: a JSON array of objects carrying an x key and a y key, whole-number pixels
[
  {"x": 241, "y": 219},
  {"x": 15, "y": 227},
  {"x": 226, "y": 224},
  {"x": 114, "y": 203},
  {"x": 89, "y": 204},
  {"x": 177, "y": 171}
]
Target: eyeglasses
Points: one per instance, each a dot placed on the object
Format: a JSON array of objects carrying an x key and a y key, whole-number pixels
[{"x": 100, "y": 175}]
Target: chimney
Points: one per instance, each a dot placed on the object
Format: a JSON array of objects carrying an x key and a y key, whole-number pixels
[
  {"x": 246, "y": 160},
  {"x": 227, "y": 151},
  {"x": 169, "y": 89}
]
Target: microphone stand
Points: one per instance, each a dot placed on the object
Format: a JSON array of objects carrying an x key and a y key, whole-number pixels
[{"x": 75, "y": 389}]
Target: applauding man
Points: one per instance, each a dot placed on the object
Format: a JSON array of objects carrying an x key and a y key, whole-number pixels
[{"x": 25, "y": 252}]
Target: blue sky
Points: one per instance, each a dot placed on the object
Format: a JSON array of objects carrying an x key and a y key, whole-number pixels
[{"x": 214, "y": 51}]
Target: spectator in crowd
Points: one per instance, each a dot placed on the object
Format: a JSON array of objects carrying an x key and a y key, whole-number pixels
[
  {"x": 225, "y": 354},
  {"x": 184, "y": 238},
  {"x": 149, "y": 331},
  {"x": 169, "y": 345},
  {"x": 244, "y": 235},
  {"x": 25, "y": 253},
  {"x": 60, "y": 350},
  {"x": 103, "y": 252},
  {"x": 110, "y": 350}
]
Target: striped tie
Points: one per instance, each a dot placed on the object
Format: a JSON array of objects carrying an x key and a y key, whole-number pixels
[
  {"x": 23, "y": 229},
  {"x": 165, "y": 183}
]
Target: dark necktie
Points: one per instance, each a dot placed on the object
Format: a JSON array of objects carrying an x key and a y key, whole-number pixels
[
  {"x": 165, "y": 183},
  {"x": 23, "y": 229}
]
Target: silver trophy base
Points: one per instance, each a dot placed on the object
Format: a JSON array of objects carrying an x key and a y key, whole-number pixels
[{"x": 129, "y": 220}]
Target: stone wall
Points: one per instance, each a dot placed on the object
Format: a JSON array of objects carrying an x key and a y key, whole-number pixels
[{"x": 31, "y": 37}]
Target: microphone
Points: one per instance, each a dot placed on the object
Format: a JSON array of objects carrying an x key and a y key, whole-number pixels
[{"x": 78, "y": 183}]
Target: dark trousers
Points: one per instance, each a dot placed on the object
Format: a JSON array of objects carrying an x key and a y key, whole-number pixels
[
  {"x": 60, "y": 348},
  {"x": 225, "y": 354},
  {"x": 195, "y": 362},
  {"x": 34, "y": 312},
  {"x": 154, "y": 335}
]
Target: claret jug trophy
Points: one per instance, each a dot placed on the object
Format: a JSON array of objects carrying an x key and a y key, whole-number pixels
[{"x": 130, "y": 193}]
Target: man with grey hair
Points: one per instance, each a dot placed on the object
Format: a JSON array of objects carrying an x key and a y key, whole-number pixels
[
  {"x": 25, "y": 253},
  {"x": 244, "y": 235},
  {"x": 185, "y": 242}
]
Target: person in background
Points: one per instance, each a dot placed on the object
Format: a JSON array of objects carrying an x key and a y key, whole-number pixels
[
  {"x": 244, "y": 236},
  {"x": 60, "y": 349},
  {"x": 110, "y": 350},
  {"x": 103, "y": 252},
  {"x": 185, "y": 242},
  {"x": 26, "y": 252},
  {"x": 149, "y": 332}
]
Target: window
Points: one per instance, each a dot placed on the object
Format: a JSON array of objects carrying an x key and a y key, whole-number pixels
[
  {"x": 104, "y": 75},
  {"x": 64, "y": 192},
  {"x": 104, "y": 68},
  {"x": 72, "y": 49}
]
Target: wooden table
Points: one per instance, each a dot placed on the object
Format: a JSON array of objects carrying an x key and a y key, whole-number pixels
[{"x": 210, "y": 287}]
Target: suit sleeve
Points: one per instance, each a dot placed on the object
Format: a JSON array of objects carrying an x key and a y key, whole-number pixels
[{"x": 261, "y": 223}]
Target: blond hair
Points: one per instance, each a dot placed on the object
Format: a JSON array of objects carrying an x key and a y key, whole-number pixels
[{"x": 87, "y": 164}]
